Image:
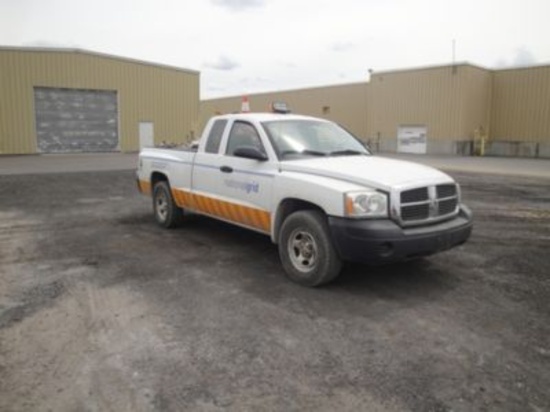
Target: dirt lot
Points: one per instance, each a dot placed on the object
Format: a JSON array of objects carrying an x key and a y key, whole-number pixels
[{"x": 101, "y": 310}]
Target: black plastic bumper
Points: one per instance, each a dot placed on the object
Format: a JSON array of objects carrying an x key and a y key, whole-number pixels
[{"x": 383, "y": 241}]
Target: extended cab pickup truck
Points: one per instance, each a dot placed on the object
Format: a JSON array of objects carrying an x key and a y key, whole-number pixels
[{"x": 312, "y": 187}]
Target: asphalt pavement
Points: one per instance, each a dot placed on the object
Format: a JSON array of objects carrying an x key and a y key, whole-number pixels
[
  {"x": 59, "y": 163},
  {"x": 102, "y": 310}
]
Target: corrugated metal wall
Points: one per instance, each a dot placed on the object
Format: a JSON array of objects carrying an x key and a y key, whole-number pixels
[
  {"x": 521, "y": 105},
  {"x": 344, "y": 104},
  {"x": 457, "y": 104},
  {"x": 434, "y": 97},
  {"x": 168, "y": 97},
  {"x": 476, "y": 103},
  {"x": 430, "y": 97}
]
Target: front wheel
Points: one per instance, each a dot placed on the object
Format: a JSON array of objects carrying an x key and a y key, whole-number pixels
[
  {"x": 306, "y": 250},
  {"x": 167, "y": 213}
]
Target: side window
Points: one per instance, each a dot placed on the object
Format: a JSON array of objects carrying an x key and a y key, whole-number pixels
[
  {"x": 215, "y": 136},
  {"x": 243, "y": 134}
]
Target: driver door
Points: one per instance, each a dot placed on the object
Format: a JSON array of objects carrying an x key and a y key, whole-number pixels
[{"x": 234, "y": 188}]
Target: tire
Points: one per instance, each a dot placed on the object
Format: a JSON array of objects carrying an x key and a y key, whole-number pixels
[
  {"x": 167, "y": 213},
  {"x": 306, "y": 250}
]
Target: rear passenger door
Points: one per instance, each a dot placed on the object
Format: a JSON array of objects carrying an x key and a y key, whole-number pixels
[{"x": 234, "y": 188}]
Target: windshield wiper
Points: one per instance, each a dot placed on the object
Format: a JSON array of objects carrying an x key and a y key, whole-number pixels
[
  {"x": 305, "y": 151},
  {"x": 347, "y": 152},
  {"x": 313, "y": 152}
]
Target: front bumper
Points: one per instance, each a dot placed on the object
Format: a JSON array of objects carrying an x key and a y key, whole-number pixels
[{"x": 383, "y": 241}]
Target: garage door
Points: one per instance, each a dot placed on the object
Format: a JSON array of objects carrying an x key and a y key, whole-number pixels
[{"x": 75, "y": 120}]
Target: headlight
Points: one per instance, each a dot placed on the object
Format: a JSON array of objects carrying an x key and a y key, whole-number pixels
[{"x": 366, "y": 204}]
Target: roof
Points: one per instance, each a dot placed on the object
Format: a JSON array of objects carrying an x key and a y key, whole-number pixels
[
  {"x": 303, "y": 89},
  {"x": 378, "y": 73},
  {"x": 458, "y": 64},
  {"x": 264, "y": 117},
  {"x": 524, "y": 67},
  {"x": 94, "y": 53},
  {"x": 430, "y": 67}
]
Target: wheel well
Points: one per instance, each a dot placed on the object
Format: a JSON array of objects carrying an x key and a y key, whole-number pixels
[
  {"x": 157, "y": 177},
  {"x": 286, "y": 208}
]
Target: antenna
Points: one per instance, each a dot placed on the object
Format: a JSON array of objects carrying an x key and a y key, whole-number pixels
[
  {"x": 454, "y": 51},
  {"x": 454, "y": 56}
]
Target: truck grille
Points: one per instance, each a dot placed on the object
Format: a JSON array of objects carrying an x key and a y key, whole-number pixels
[
  {"x": 431, "y": 203},
  {"x": 445, "y": 191},
  {"x": 414, "y": 195},
  {"x": 447, "y": 206},
  {"x": 415, "y": 212}
]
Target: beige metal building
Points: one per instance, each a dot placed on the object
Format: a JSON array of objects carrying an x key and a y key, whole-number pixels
[
  {"x": 453, "y": 109},
  {"x": 520, "y": 112},
  {"x": 345, "y": 104},
  {"x": 67, "y": 100}
]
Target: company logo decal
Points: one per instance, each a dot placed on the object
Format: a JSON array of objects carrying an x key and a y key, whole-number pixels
[{"x": 247, "y": 187}]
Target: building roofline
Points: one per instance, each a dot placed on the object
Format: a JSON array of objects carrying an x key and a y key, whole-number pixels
[
  {"x": 431, "y": 67},
  {"x": 94, "y": 53},
  {"x": 457, "y": 64},
  {"x": 233, "y": 96},
  {"x": 523, "y": 67},
  {"x": 382, "y": 72}
]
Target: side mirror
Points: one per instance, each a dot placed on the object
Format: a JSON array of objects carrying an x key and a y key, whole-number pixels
[{"x": 250, "y": 152}]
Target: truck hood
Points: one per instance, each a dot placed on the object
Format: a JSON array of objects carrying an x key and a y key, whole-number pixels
[{"x": 371, "y": 171}]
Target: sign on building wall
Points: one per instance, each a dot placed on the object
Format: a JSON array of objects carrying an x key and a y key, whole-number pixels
[{"x": 412, "y": 139}]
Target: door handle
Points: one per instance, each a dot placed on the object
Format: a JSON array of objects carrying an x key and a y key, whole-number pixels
[{"x": 226, "y": 169}]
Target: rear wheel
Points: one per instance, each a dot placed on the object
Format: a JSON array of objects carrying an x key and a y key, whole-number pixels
[
  {"x": 306, "y": 250},
  {"x": 167, "y": 213}
]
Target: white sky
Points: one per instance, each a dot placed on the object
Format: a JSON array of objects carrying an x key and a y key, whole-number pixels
[{"x": 248, "y": 46}]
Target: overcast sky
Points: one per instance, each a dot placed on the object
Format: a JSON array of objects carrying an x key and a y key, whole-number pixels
[{"x": 248, "y": 46}]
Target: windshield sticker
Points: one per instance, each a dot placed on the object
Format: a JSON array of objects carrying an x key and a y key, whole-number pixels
[{"x": 247, "y": 187}]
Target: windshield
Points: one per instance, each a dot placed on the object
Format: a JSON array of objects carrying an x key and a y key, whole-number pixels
[{"x": 298, "y": 138}]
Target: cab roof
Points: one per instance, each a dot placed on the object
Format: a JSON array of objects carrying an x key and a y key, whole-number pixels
[{"x": 264, "y": 117}]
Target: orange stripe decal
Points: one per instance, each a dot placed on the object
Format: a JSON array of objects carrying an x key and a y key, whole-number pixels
[
  {"x": 232, "y": 212},
  {"x": 254, "y": 215},
  {"x": 225, "y": 210},
  {"x": 215, "y": 206},
  {"x": 211, "y": 206},
  {"x": 181, "y": 198},
  {"x": 199, "y": 203},
  {"x": 144, "y": 187},
  {"x": 178, "y": 198},
  {"x": 248, "y": 216},
  {"x": 266, "y": 220}
]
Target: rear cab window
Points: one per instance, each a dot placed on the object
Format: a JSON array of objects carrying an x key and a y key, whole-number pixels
[{"x": 215, "y": 136}]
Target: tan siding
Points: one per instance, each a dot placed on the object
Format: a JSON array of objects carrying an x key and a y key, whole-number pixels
[
  {"x": 509, "y": 105},
  {"x": 168, "y": 97},
  {"x": 428, "y": 97},
  {"x": 476, "y": 103},
  {"x": 521, "y": 105},
  {"x": 434, "y": 97},
  {"x": 346, "y": 103}
]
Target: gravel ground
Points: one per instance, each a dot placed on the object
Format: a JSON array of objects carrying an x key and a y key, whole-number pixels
[{"x": 101, "y": 310}]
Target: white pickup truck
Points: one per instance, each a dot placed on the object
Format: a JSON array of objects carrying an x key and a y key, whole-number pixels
[{"x": 312, "y": 187}]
